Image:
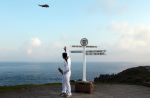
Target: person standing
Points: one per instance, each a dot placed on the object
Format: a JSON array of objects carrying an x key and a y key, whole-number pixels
[{"x": 66, "y": 74}]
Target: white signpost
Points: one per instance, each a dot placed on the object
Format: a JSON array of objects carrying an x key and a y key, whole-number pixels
[{"x": 84, "y": 43}]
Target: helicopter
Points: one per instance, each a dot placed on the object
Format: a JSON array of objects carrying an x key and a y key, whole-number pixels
[{"x": 44, "y": 5}]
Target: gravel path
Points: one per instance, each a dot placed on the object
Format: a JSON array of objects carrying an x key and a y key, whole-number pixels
[{"x": 101, "y": 91}]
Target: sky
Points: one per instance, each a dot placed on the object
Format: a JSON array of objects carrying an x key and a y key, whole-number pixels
[{"x": 29, "y": 33}]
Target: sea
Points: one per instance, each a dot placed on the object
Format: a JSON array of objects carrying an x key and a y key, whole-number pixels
[{"x": 20, "y": 73}]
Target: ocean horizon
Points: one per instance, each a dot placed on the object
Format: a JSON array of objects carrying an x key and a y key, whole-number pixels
[{"x": 19, "y": 73}]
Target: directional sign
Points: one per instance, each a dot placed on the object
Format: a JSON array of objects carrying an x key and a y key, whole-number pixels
[
  {"x": 91, "y": 46},
  {"x": 95, "y": 52},
  {"x": 76, "y": 51},
  {"x": 79, "y": 46},
  {"x": 76, "y": 46},
  {"x": 90, "y": 52}
]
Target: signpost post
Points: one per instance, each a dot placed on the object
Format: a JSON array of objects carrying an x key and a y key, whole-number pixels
[
  {"x": 84, "y": 43},
  {"x": 88, "y": 87}
]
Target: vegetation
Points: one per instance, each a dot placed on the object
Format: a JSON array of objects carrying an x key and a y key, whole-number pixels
[
  {"x": 27, "y": 86},
  {"x": 137, "y": 75}
]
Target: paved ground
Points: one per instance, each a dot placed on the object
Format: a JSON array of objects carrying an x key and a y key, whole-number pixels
[{"x": 101, "y": 91}]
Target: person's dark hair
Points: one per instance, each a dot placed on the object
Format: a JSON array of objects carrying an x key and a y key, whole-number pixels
[{"x": 64, "y": 55}]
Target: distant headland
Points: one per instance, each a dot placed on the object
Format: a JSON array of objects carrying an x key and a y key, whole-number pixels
[{"x": 136, "y": 75}]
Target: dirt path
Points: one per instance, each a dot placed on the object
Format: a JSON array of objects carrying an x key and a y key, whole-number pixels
[{"x": 101, "y": 91}]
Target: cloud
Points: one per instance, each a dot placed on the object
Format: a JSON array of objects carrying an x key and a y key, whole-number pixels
[
  {"x": 135, "y": 38},
  {"x": 34, "y": 43}
]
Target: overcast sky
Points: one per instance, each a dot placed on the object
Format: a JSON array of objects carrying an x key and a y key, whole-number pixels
[{"x": 31, "y": 33}]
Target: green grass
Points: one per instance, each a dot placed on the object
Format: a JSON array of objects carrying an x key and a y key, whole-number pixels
[{"x": 26, "y": 86}]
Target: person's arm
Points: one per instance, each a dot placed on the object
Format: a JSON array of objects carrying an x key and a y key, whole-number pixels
[
  {"x": 65, "y": 48},
  {"x": 61, "y": 71},
  {"x": 67, "y": 51}
]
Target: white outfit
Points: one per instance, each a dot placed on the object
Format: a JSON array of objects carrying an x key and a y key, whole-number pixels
[{"x": 66, "y": 88}]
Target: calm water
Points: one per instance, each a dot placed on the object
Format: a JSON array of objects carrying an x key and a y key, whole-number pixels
[{"x": 39, "y": 73}]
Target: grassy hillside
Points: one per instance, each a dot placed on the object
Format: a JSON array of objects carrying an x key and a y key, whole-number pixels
[{"x": 137, "y": 75}]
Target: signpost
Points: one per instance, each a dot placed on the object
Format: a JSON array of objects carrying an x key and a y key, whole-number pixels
[{"x": 84, "y": 43}]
